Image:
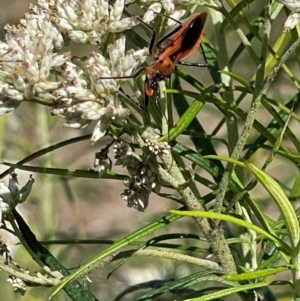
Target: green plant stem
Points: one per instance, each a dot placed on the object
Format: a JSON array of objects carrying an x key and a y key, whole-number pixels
[
  {"x": 36, "y": 280},
  {"x": 172, "y": 175},
  {"x": 173, "y": 256},
  {"x": 207, "y": 264},
  {"x": 223, "y": 62},
  {"x": 260, "y": 89},
  {"x": 47, "y": 214},
  {"x": 296, "y": 276},
  {"x": 164, "y": 107},
  {"x": 47, "y": 150},
  {"x": 241, "y": 35},
  {"x": 216, "y": 238}
]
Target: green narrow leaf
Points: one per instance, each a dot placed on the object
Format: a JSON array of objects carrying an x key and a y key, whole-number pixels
[
  {"x": 116, "y": 246},
  {"x": 227, "y": 159},
  {"x": 273, "y": 127},
  {"x": 243, "y": 81},
  {"x": 47, "y": 150},
  {"x": 239, "y": 222},
  {"x": 230, "y": 291},
  {"x": 212, "y": 60},
  {"x": 186, "y": 119},
  {"x": 295, "y": 191},
  {"x": 258, "y": 273},
  {"x": 254, "y": 32},
  {"x": 287, "y": 211},
  {"x": 66, "y": 172},
  {"x": 199, "y": 160},
  {"x": 180, "y": 284}
]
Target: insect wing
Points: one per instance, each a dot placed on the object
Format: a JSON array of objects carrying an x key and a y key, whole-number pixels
[
  {"x": 168, "y": 38},
  {"x": 185, "y": 40}
]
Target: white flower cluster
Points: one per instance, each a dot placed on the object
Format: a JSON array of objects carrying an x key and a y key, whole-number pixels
[
  {"x": 26, "y": 59},
  {"x": 157, "y": 147},
  {"x": 173, "y": 8},
  {"x": 12, "y": 195},
  {"x": 89, "y": 20},
  {"x": 86, "y": 97},
  {"x": 294, "y": 17},
  {"x": 32, "y": 69}
]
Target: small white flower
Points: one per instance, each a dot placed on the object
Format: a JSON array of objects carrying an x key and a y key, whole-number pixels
[
  {"x": 294, "y": 17},
  {"x": 177, "y": 15},
  {"x": 292, "y": 21},
  {"x": 292, "y": 5},
  {"x": 168, "y": 6},
  {"x": 172, "y": 8},
  {"x": 137, "y": 197},
  {"x": 99, "y": 131},
  {"x": 150, "y": 14},
  {"x": 76, "y": 123}
]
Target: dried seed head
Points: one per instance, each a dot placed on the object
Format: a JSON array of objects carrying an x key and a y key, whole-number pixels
[
  {"x": 18, "y": 285},
  {"x": 103, "y": 161},
  {"x": 12, "y": 195},
  {"x": 137, "y": 196},
  {"x": 123, "y": 153},
  {"x": 142, "y": 181}
]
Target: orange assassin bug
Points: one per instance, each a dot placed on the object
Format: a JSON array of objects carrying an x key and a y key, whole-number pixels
[
  {"x": 172, "y": 49},
  {"x": 178, "y": 44}
]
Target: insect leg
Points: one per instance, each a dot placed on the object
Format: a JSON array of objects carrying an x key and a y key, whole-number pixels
[
  {"x": 195, "y": 64},
  {"x": 153, "y": 37},
  {"x": 203, "y": 52},
  {"x": 192, "y": 64},
  {"x": 163, "y": 15},
  {"x": 130, "y": 98}
]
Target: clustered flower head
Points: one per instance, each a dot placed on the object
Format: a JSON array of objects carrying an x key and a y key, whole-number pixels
[
  {"x": 142, "y": 181},
  {"x": 34, "y": 68},
  {"x": 12, "y": 195},
  {"x": 294, "y": 17},
  {"x": 27, "y": 56},
  {"x": 157, "y": 147},
  {"x": 85, "y": 97}
]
